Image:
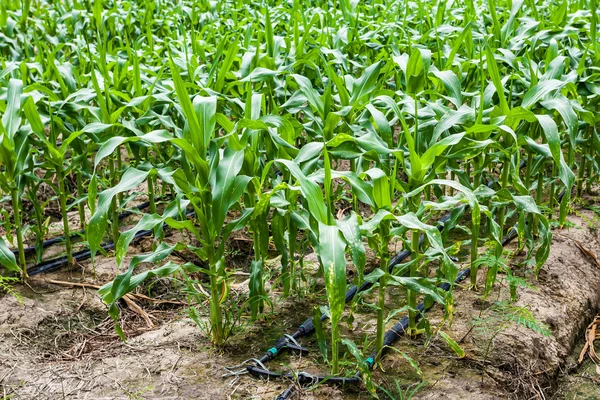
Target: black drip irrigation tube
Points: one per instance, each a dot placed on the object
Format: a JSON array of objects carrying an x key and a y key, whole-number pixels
[
  {"x": 59, "y": 262},
  {"x": 79, "y": 233}
]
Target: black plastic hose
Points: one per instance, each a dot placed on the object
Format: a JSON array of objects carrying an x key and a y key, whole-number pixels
[
  {"x": 57, "y": 263},
  {"x": 79, "y": 233}
]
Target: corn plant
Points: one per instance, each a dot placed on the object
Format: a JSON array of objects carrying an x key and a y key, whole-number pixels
[{"x": 14, "y": 153}]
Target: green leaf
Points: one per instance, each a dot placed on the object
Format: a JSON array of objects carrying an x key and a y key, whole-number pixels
[
  {"x": 255, "y": 286},
  {"x": 188, "y": 110},
  {"x": 366, "y": 83},
  {"x": 492, "y": 68},
  {"x": 147, "y": 222},
  {"x": 229, "y": 187},
  {"x": 452, "y": 119},
  {"x": 453, "y": 345},
  {"x": 381, "y": 188},
  {"x": 316, "y": 317},
  {"x": 540, "y": 90},
  {"x": 419, "y": 285},
  {"x": 415, "y": 73},
  {"x": 206, "y": 111},
  {"x": 7, "y": 258},
  {"x": 351, "y": 231},
  {"x": 99, "y": 221},
  {"x": 458, "y": 43},
  {"x": 563, "y": 107},
  {"x": 33, "y": 117},
  {"x": 428, "y": 159},
  {"x": 125, "y": 282},
  {"x": 332, "y": 248},
  {"x": 310, "y": 93},
  {"x": 382, "y": 124},
  {"x": 452, "y": 85},
  {"x": 278, "y": 229},
  {"x": 260, "y": 75},
  {"x": 553, "y": 139},
  {"x": 11, "y": 118},
  {"x": 96, "y": 127},
  {"x": 361, "y": 189},
  {"x": 310, "y": 190},
  {"x": 108, "y": 147}
]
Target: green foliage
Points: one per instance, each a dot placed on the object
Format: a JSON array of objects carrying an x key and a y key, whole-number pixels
[
  {"x": 503, "y": 314},
  {"x": 343, "y": 127},
  {"x": 402, "y": 393},
  {"x": 7, "y": 286}
]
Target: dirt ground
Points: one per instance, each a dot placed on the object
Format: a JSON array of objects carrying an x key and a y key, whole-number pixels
[{"x": 56, "y": 342}]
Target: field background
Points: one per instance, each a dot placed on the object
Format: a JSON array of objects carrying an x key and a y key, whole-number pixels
[{"x": 183, "y": 183}]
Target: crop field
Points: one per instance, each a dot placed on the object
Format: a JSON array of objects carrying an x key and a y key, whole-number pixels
[{"x": 299, "y": 199}]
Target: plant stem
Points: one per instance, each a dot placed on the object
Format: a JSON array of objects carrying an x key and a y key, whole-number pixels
[
  {"x": 539, "y": 194},
  {"x": 477, "y": 178},
  {"x": 380, "y": 316},
  {"x": 474, "y": 253},
  {"x": 385, "y": 260},
  {"x": 411, "y": 295},
  {"x": 502, "y": 209},
  {"x": 528, "y": 170},
  {"x": 62, "y": 198},
  {"x": 581, "y": 174},
  {"x": 468, "y": 169},
  {"x": 552, "y": 190},
  {"x": 588, "y": 174},
  {"x": 292, "y": 237},
  {"x": 216, "y": 314},
  {"x": 81, "y": 205},
  {"x": 39, "y": 222},
  {"x": 151, "y": 195},
  {"x": 113, "y": 204},
  {"x": 118, "y": 168},
  {"x": 17, "y": 215},
  {"x": 335, "y": 337},
  {"x": 564, "y": 208}
]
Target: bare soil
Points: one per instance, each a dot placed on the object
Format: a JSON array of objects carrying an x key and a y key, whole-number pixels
[{"x": 57, "y": 342}]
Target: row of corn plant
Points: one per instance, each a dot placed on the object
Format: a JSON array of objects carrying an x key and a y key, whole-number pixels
[{"x": 337, "y": 126}]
